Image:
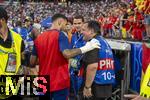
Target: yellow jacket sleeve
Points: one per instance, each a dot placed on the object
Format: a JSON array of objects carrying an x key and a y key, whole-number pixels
[{"x": 145, "y": 87}]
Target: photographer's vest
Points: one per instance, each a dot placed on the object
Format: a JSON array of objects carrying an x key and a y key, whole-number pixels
[
  {"x": 10, "y": 58},
  {"x": 105, "y": 73}
]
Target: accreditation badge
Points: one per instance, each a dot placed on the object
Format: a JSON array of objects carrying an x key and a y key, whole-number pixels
[
  {"x": 74, "y": 63},
  {"x": 11, "y": 63}
]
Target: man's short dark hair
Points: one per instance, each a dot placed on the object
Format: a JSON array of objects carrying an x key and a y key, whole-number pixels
[
  {"x": 57, "y": 16},
  {"x": 95, "y": 26},
  {"x": 79, "y": 17},
  {"x": 3, "y": 14},
  {"x": 18, "y": 23}
]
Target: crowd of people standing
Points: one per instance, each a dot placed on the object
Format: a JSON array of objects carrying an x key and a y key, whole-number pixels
[{"x": 117, "y": 19}]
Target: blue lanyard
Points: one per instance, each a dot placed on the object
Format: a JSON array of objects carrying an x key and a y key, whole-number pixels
[{"x": 77, "y": 41}]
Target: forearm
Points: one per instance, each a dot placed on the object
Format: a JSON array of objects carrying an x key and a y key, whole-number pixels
[
  {"x": 69, "y": 53},
  {"x": 33, "y": 61},
  {"x": 90, "y": 75},
  {"x": 147, "y": 9},
  {"x": 23, "y": 59},
  {"x": 130, "y": 29},
  {"x": 113, "y": 28}
]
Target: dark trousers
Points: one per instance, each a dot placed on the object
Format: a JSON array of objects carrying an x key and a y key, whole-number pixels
[
  {"x": 57, "y": 95},
  {"x": 100, "y": 92},
  {"x": 14, "y": 98}
]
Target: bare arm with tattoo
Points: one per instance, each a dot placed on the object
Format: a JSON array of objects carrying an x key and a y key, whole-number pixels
[{"x": 69, "y": 53}]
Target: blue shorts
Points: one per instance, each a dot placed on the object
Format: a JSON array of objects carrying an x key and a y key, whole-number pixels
[
  {"x": 57, "y": 95},
  {"x": 147, "y": 19},
  {"x": 60, "y": 95}
]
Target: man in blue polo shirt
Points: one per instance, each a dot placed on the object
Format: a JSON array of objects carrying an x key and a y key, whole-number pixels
[{"x": 75, "y": 66}]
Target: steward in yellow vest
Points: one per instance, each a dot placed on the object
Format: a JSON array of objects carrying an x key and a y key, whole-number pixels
[
  {"x": 11, "y": 57},
  {"x": 11, "y": 48}
]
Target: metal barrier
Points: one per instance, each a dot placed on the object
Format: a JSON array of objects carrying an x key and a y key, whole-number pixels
[{"x": 124, "y": 46}]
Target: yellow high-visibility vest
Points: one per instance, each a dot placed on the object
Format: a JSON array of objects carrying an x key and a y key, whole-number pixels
[
  {"x": 145, "y": 87},
  {"x": 4, "y": 57},
  {"x": 4, "y": 54}
]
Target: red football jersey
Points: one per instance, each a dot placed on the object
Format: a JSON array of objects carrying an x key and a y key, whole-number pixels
[{"x": 51, "y": 60}]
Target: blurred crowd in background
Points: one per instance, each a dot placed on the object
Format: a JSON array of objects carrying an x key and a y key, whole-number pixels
[{"x": 123, "y": 20}]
